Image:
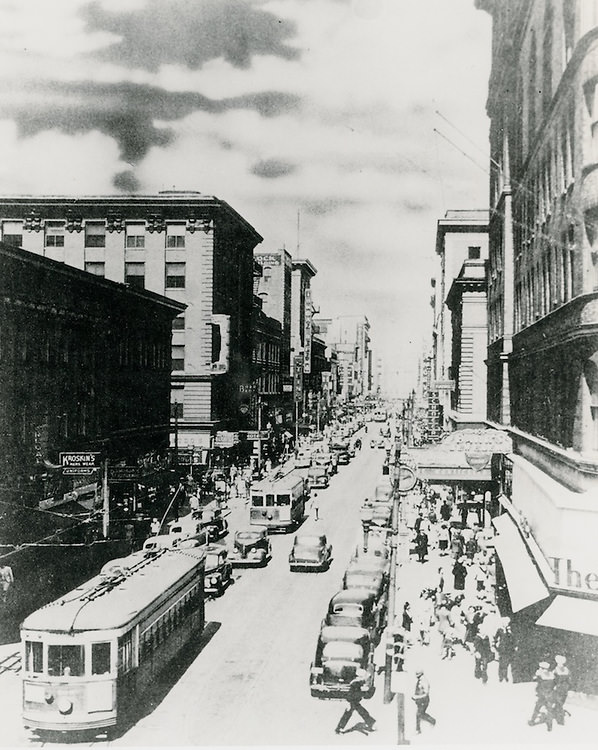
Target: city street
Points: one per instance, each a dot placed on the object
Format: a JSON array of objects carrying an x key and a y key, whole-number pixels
[{"x": 249, "y": 683}]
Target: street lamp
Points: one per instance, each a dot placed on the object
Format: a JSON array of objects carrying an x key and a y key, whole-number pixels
[{"x": 367, "y": 516}]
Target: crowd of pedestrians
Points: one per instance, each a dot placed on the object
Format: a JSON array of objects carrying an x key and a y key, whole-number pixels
[{"x": 457, "y": 611}]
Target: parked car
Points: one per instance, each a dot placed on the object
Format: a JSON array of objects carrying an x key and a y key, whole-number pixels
[
  {"x": 251, "y": 547},
  {"x": 326, "y": 459},
  {"x": 303, "y": 459},
  {"x": 368, "y": 580},
  {"x": 381, "y": 514},
  {"x": 370, "y": 562},
  {"x": 218, "y": 570},
  {"x": 317, "y": 477},
  {"x": 356, "y": 608},
  {"x": 212, "y": 521},
  {"x": 377, "y": 547},
  {"x": 311, "y": 551},
  {"x": 342, "y": 653},
  {"x": 383, "y": 493}
]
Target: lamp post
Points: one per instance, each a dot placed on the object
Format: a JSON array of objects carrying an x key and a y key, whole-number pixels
[{"x": 367, "y": 515}]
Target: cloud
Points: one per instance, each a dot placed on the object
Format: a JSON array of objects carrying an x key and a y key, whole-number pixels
[
  {"x": 125, "y": 111},
  {"x": 272, "y": 168},
  {"x": 126, "y": 182},
  {"x": 188, "y": 33}
]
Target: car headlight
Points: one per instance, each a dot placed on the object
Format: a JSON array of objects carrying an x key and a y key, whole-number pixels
[
  {"x": 317, "y": 670},
  {"x": 213, "y": 580}
]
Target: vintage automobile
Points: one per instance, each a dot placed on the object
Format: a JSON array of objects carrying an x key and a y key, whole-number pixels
[
  {"x": 383, "y": 493},
  {"x": 251, "y": 547},
  {"x": 356, "y": 608},
  {"x": 341, "y": 449},
  {"x": 381, "y": 514},
  {"x": 311, "y": 551},
  {"x": 317, "y": 477},
  {"x": 212, "y": 521},
  {"x": 303, "y": 459},
  {"x": 342, "y": 653},
  {"x": 371, "y": 581},
  {"x": 325, "y": 458},
  {"x": 370, "y": 562},
  {"x": 218, "y": 570},
  {"x": 377, "y": 547}
]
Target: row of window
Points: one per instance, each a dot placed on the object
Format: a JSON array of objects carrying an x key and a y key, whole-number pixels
[
  {"x": 169, "y": 622},
  {"x": 267, "y": 351},
  {"x": 174, "y": 277},
  {"x": 543, "y": 287},
  {"x": 95, "y": 236},
  {"x": 67, "y": 659}
]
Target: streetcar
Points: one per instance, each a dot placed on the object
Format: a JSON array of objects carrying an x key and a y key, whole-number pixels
[
  {"x": 88, "y": 655},
  {"x": 279, "y": 504},
  {"x": 380, "y": 415}
]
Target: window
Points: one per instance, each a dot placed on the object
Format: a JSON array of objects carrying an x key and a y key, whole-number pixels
[
  {"x": 178, "y": 357},
  {"x": 135, "y": 274},
  {"x": 178, "y": 323},
  {"x": 473, "y": 253},
  {"x": 175, "y": 276},
  {"x": 267, "y": 273},
  {"x": 100, "y": 658},
  {"x": 95, "y": 235},
  {"x": 34, "y": 656},
  {"x": 97, "y": 269},
  {"x": 175, "y": 236},
  {"x": 54, "y": 234},
  {"x": 125, "y": 652},
  {"x": 135, "y": 238},
  {"x": 65, "y": 660},
  {"x": 12, "y": 233}
]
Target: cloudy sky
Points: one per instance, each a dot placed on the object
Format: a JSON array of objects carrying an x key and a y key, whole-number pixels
[{"x": 335, "y": 127}]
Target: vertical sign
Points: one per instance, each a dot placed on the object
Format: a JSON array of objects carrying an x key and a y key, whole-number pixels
[
  {"x": 298, "y": 378},
  {"x": 307, "y": 330}
]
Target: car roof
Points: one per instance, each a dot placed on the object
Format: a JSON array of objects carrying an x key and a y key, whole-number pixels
[
  {"x": 351, "y": 596},
  {"x": 299, "y": 538},
  {"x": 350, "y": 633}
]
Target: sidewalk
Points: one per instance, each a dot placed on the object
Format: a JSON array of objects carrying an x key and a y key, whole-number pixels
[{"x": 466, "y": 710}]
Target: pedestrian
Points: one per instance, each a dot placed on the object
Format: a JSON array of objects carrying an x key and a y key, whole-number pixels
[
  {"x": 194, "y": 503},
  {"x": 418, "y": 522},
  {"x": 155, "y": 527},
  {"x": 421, "y": 696},
  {"x": 421, "y": 546},
  {"x": 6, "y": 581},
  {"x": 457, "y": 544},
  {"x": 483, "y": 655},
  {"x": 448, "y": 642},
  {"x": 407, "y": 618},
  {"x": 354, "y": 697},
  {"x": 479, "y": 576},
  {"x": 315, "y": 506},
  {"x": 562, "y": 684},
  {"x": 471, "y": 547},
  {"x": 445, "y": 511},
  {"x": 464, "y": 513},
  {"x": 544, "y": 679},
  {"x": 443, "y": 538},
  {"x": 459, "y": 574},
  {"x": 504, "y": 644}
]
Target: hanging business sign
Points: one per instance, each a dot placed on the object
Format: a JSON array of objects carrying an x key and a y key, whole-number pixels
[
  {"x": 79, "y": 463},
  {"x": 307, "y": 332},
  {"x": 478, "y": 442}
]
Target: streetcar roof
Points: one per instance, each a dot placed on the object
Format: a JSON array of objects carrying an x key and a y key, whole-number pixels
[
  {"x": 284, "y": 484},
  {"x": 102, "y": 603}
]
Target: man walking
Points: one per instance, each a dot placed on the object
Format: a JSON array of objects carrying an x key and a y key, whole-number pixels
[
  {"x": 354, "y": 697},
  {"x": 315, "y": 506},
  {"x": 544, "y": 680},
  {"x": 562, "y": 683},
  {"x": 504, "y": 643},
  {"x": 421, "y": 696},
  {"x": 6, "y": 581}
]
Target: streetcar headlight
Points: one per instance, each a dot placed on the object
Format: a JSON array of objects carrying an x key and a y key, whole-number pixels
[{"x": 64, "y": 705}]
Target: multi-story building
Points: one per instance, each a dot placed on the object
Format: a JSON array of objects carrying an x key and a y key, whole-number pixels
[
  {"x": 191, "y": 247},
  {"x": 84, "y": 367},
  {"x": 349, "y": 336},
  {"x": 461, "y": 235},
  {"x": 466, "y": 301},
  {"x": 543, "y": 316}
]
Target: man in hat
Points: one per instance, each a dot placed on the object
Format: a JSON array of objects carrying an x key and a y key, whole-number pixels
[
  {"x": 544, "y": 680},
  {"x": 562, "y": 683},
  {"x": 504, "y": 643},
  {"x": 354, "y": 697},
  {"x": 459, "y": 574},
  {"x": 421, "y": 696}
]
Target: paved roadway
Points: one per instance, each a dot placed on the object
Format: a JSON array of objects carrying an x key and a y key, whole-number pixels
[
  {"x": 249, "y": 685},
  {"x": 248, "y": 680}
]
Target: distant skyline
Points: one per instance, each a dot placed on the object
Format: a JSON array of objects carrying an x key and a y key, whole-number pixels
[{"x": 352, "y": 114}]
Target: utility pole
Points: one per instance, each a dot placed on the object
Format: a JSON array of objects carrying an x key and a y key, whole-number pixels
[
  {"x": 259, "y": 432},
  {"x": 388, "y": 694},
  {"x": 105, "y": 501}
]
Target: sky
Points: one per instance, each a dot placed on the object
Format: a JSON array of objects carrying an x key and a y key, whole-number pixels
[{"x": 341, "y": 130}]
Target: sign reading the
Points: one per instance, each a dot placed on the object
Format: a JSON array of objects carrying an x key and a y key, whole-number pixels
[{"x": 79, "y": 463}]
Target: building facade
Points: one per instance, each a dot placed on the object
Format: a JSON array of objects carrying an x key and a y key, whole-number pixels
[
  {"x": 192, "y": 248},
  {"x": 84, "y": 366},
  {"x": 349, "y": 335},
  {"x": 543, "y": 311},
  {"x": 460, "y": 235}
]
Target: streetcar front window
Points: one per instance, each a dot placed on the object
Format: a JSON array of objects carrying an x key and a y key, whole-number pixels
[
  {"x": 65, "y": 661},
  {"x": 34, "y": 655},
  {"x": 257, "y": 501},
  {"x": 283, "y": 500},
  {"x": 269, "y": 500},
  {"x": 100, "y": 658}
]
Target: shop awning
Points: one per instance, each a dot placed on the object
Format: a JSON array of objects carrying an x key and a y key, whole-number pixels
[
  {"x": 438, "y": 465},
  {"x": 526, "y": 586},
  {"x": 571, "y": 613}
]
